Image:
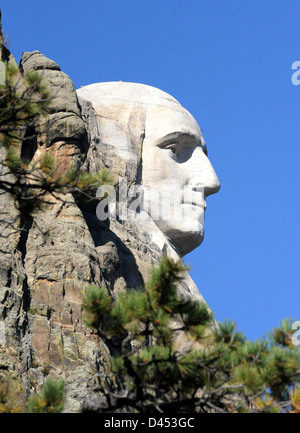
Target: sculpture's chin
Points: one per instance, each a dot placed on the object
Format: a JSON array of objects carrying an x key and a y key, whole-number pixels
[
  {"x": 189, "y": 242},
  {"x": 185, "y": 238}
]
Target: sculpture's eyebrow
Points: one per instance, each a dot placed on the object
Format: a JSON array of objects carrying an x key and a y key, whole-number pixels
[{"x": 181, "y": 138}]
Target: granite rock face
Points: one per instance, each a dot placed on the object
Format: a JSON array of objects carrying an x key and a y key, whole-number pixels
[
  {"x": 45, "y": 268},
  {"x": 159, "y": 147},
  {"x": 63, "y": 132}
]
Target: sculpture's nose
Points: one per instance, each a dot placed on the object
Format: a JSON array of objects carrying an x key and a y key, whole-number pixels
[{"x": 202, "y": 174}]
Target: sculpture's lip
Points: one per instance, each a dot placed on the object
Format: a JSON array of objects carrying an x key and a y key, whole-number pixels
[
  {"x": 201, "y": 205},
  {"x": 195, "y": 196}
]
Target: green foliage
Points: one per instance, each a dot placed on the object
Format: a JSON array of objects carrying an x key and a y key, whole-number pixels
[
  {"x": 48, "y": 163},
  {"x": 13, "y": 160},
  {"x": 22, "y": 99},
  {"x": 49, "y": 400},
  {"x": 169, "y": 355},
  {"x": 282, "y": 335},
  {"x": 85, "y": 184},
  {"x": 295, "y": 399},
  {"x": 96, "y": 303},
  {"x": 8, "y": 398},
  {"x": 25, "y": 101}
]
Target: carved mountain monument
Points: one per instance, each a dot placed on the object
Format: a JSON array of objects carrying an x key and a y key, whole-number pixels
[{"x": 156, "y": 152}]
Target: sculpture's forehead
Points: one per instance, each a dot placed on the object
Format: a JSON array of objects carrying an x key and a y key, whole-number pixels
[
  {"x": 163, "y": 114},
  {"x": 101, "y": 93},
  {"x": 163, "y": 121}
]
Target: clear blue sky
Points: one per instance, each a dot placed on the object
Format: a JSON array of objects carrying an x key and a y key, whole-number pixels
[{"x": 229, "y": 63}]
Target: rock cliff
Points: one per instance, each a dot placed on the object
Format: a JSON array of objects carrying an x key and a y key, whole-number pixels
[{"x": 45, "y": 268}]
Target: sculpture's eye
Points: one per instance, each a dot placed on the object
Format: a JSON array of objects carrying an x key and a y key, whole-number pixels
[{"x": 174, "y": 148}]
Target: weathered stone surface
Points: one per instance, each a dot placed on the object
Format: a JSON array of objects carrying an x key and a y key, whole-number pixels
[
  {"x": 159, "y": 146},
  {"x": 63, "y": 131},
  {"x": 34, "y": 60},
  {"x": 132, "y": 128},
  {"x": 45, "y": 268}
]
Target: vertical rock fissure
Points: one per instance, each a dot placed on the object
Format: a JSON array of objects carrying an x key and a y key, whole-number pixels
[{"x": 26, "y": 225}]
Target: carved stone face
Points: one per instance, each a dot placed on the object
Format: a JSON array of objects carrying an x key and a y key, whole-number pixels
[
  {"x": 174, "y": 160},
  {"x": 176, "y": 174}
]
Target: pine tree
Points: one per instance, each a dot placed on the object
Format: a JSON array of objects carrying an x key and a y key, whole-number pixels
[
  {"x": 216, "y": 370},
  {"x": 49, "y": 400},
  {"x": 25, "y": 100}
]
